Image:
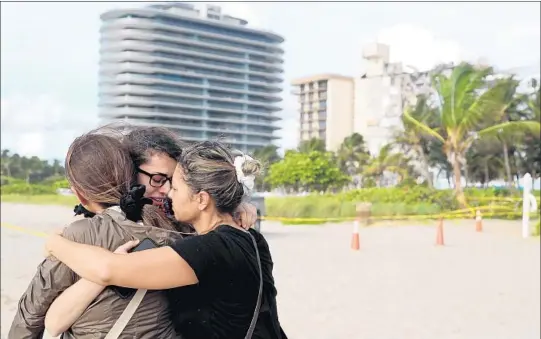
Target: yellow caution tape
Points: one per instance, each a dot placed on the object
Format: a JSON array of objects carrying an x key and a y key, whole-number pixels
[{"x": 465, "y": 213}]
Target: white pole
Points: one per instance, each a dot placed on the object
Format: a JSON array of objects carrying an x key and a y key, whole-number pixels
[
  {"x": 527, "y": 184},
  {"x": 356, "y": 226}
]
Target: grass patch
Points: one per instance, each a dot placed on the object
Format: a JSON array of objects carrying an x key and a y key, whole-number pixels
[
  {"x": 317, "y": 209},
  {"x": 327, "y": 207},
  {"x": 46, "y": 199}
]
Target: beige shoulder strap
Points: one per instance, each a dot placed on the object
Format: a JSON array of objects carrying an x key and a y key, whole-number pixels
[{"x": 128, "y": 313}]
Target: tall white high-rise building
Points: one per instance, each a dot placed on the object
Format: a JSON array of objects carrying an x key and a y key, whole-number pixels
[{"x": 203, "y": 74}]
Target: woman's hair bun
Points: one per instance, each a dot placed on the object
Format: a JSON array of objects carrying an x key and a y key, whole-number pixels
[{"x": 251, "y": 167}]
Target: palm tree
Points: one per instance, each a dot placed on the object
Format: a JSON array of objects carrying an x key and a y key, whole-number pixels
[
  {"x": 438, "y": 159},
  {"x": 57, "y": 168},
  {"x": 465, "y": 102},
  {"x": 313, "y": 144},
  {"x": 485, "y": 161},
  {"x": 521, "y": 107},
  {"x": 6, "y": 160},
  {"x": 387, "y": 161},
  {"x": 512, "y": 112},
  {"x": 267, "y": 155},
  {"x": 531, "y": 145},
  {"x": 352, "y": 154},
  {"x": 412, "y": 139}
]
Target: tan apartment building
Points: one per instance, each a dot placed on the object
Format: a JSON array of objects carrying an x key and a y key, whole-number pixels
[{"x": 326, "y": 108}]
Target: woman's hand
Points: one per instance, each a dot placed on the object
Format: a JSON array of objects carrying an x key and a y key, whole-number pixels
[
  {"x": 246, "y": 215},
  {"x": 124, "y": 249},
  {"x": 49, "y": 242}
]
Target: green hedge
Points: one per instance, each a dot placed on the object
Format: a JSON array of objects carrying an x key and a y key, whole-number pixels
[
  {"x": 331, "y": 207},
  {"x": 45, "y": 199},
  {"x": 537, "y": 228},
  {"x": 405, "y": 195},
  {"x": 418, "y": 200},
  {"x": 11, "y": 186},
  {"x": 391, "y": 202},
  {"x": 26, "y": 189}
]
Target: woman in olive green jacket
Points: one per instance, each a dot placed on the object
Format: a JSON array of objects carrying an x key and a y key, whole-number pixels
[{"x": 100, "y": 185}]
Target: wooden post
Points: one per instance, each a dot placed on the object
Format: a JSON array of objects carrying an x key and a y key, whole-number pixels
[
  {"x": 439, "y": 233},
  {"x": 478, "y": 221}
]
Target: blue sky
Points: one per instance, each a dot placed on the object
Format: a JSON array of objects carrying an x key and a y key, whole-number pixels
[{"x": 49, "y": 53}]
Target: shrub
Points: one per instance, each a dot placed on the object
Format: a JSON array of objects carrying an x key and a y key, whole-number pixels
[
  {"x": 56, "y": 182},
  {"x": 27, "y": 189},
  {"x": 406, "y": 195},
  {"x": 312, "y": 206},
  {"x": 386, "y": 202},
  {"x": 21, "y": 187},
  {"x": 396, "y": 202}
]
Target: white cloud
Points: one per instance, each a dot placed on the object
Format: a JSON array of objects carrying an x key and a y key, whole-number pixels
[
  {"x": 49, "y": 75},
  {"x": 42, "y": 125},
  {"x": 416, "y": 46},
  {"x": 50, "y": 71},
  {"x": 523, "y": 30},
  {"x": 518, "y": 35}
]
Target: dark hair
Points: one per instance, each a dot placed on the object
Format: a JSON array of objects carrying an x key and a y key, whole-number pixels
[
  {"x": 144, "y": 142},
  {"x": 100, "y": 168},
  {"x": 209, "y": 166}
]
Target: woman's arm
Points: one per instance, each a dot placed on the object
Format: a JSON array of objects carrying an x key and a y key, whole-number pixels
[
  {"x": 51, "y": 279},
  {"x": 70, "y": 305},
  {"x": 155, "y": 269}
]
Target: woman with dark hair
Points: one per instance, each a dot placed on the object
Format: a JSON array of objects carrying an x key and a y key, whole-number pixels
[
  {"x": 154, "y": 151},
  {"x": 223, "y": 275}
]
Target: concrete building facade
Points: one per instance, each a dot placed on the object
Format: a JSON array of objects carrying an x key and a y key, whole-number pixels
[
  {"x": 332, "y": 107},
  {"x": 325, "y": 108},
  {"x": 381, "y": 94},
  {"x": 203, "y": 74}
]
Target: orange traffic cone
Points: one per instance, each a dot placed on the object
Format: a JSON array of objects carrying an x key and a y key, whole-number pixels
[
  {"x": 439, "y": 233},
  {"x": 355, "y": 244},
  {"x": 478, "y": 221}
]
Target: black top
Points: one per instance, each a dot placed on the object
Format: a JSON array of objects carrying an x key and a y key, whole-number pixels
[{"x": 221, "y": 306}]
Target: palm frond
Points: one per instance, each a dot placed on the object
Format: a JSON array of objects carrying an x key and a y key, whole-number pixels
[
  {"x": 467, "y": 87},
  {"x": 422, "y": 127},
  {"x": 488, "y": 106},
  {"x": 509, "y": 129}
]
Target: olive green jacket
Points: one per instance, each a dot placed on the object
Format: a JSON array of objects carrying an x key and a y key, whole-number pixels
[{"x": 109, "y": 230}]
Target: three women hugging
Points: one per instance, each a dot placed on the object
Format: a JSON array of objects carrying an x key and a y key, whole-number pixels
[{"x": 165, "y": 248}]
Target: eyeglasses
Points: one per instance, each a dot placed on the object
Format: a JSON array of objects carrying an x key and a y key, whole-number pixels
[{"x": 156, "y": 179}]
